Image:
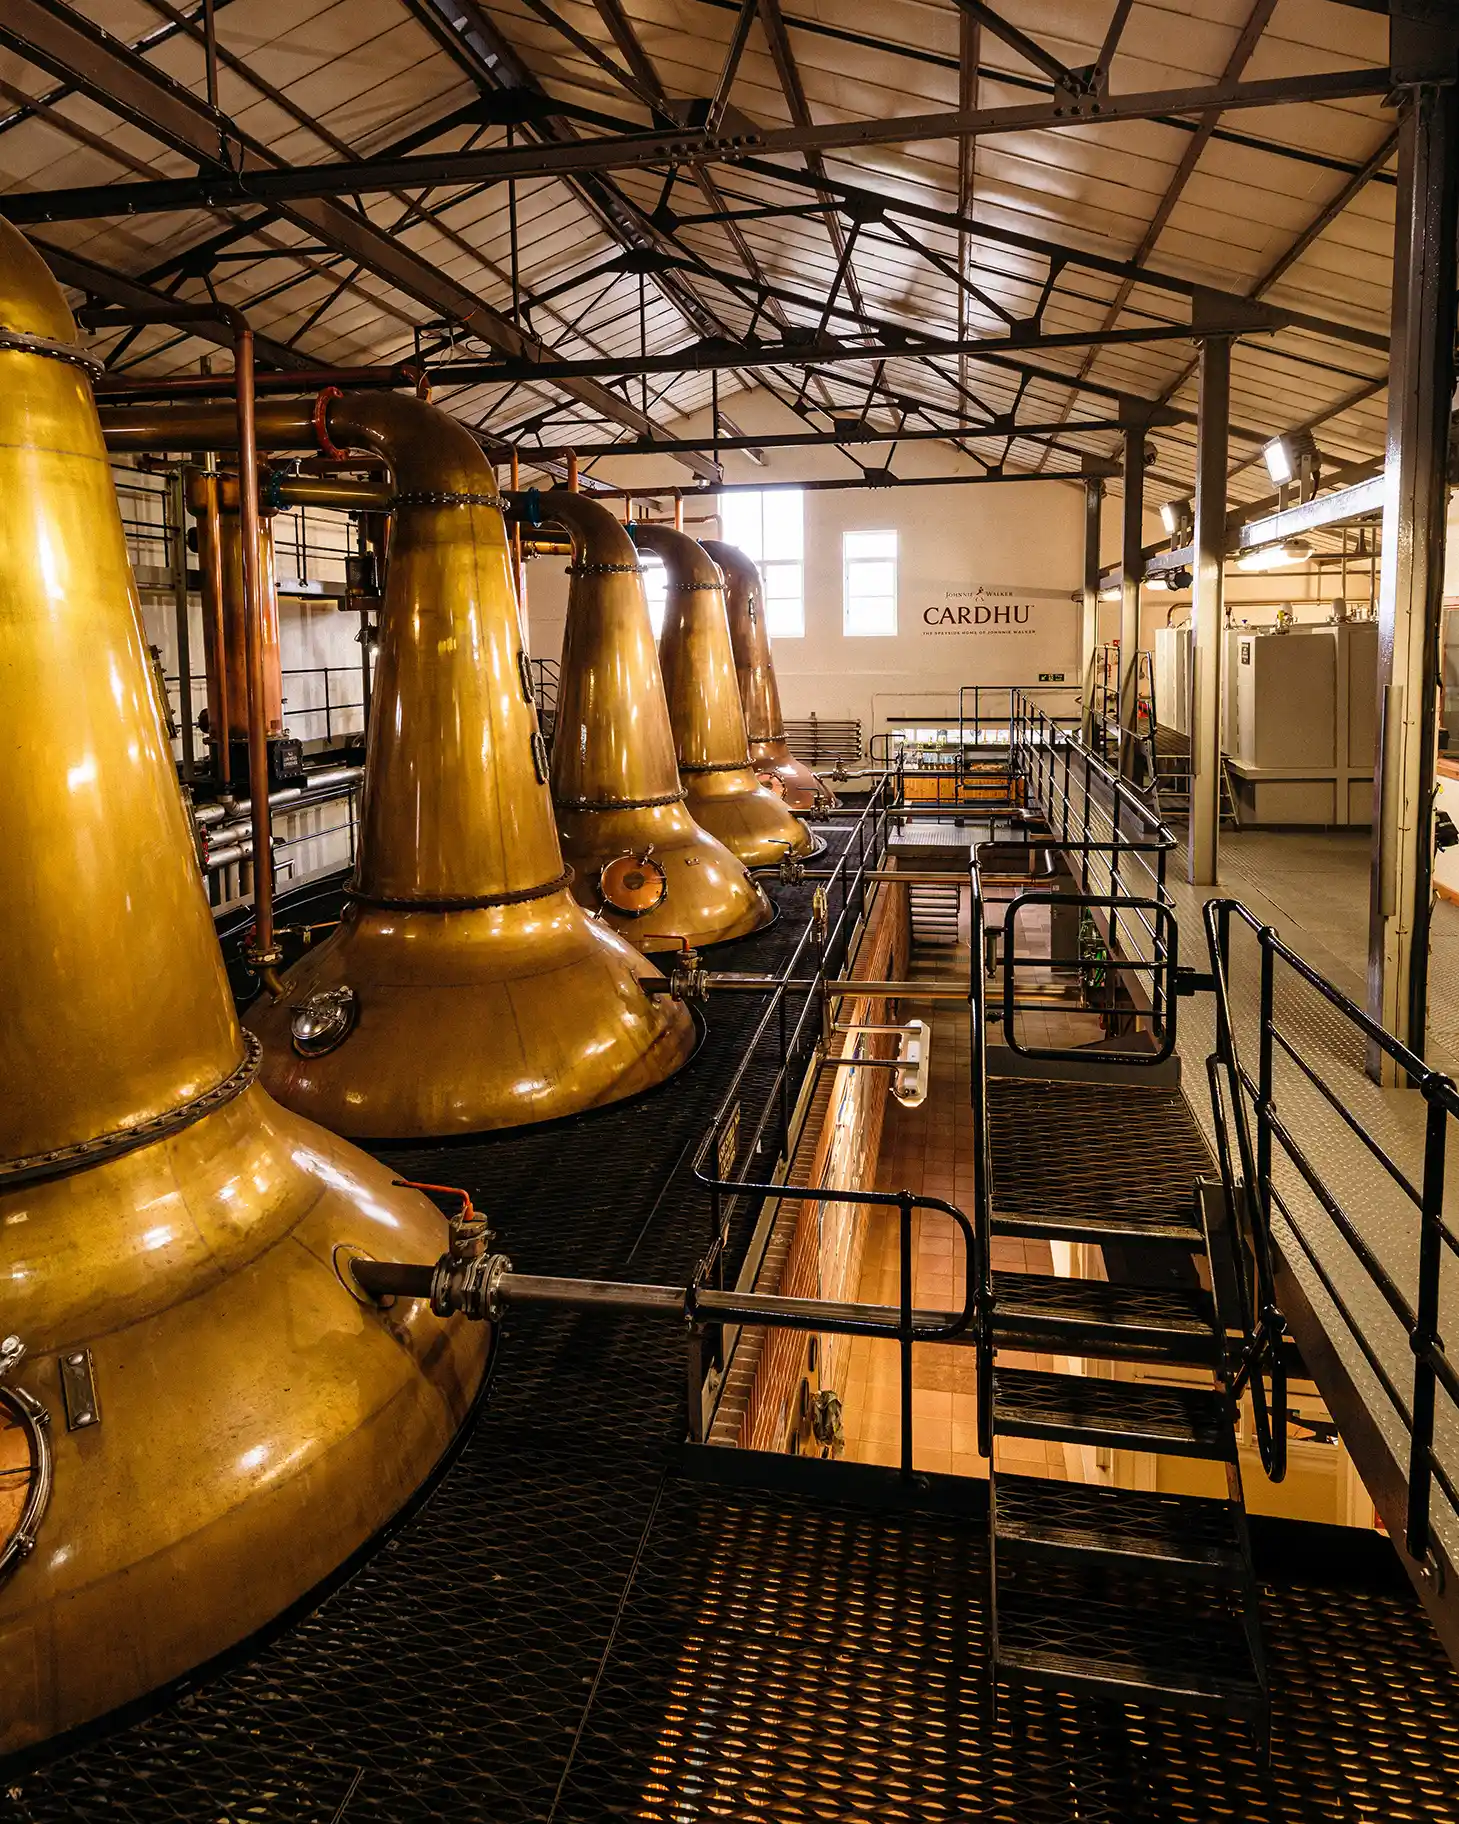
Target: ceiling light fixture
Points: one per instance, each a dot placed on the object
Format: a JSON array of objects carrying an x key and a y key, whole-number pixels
[
  {"x": 1178, "y": 518},
  {"x": 1276, "y": 557}
]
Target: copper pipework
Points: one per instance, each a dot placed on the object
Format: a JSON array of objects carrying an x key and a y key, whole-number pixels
[
  {"x": 639, "y": 859},
  {"x": 227, "y": 1418},
  {"x": 344, "y": 492},
  {"x": 210, "y": 565},
  {"x": 705, "y": 711},
  {"x": 479, "y": 994},
  {"x": 214, "y": 501},
  {"x": 770, "y": 754},
  {"x": 262, "y": 952}
]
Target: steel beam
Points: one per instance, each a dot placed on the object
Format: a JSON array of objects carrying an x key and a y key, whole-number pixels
[
  {"x": 635, "y": 151},
  {"x": 59, "y": 40},
  {"x": 1132, "y": 571},
  {"x": 1208, "y": 618},
  {"x": 1420, "y": 396},
  {"x": 1089, "y": 611},
  {"x": 131, "y": 294},
  {"x": 700, "y": 358},
  {"x": 844, "y": 435}
]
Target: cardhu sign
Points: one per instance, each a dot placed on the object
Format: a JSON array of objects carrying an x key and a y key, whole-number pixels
[{"x": 986, "y": 609}]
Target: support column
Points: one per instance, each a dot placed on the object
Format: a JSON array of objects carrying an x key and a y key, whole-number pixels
[
  {"x": 1089, "y": 618},
  {"x": 1416, "y": 476},
  {"x": 1208, "y": 610},
  {"x": 1132, "y": 572}
]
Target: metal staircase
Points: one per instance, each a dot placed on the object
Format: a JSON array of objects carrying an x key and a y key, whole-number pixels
[
  {"x": 1127, "y": 1596},
  {"x": 934, "y": 910}
]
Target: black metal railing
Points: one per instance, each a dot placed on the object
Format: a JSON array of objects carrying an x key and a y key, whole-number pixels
[
  {"x": 791, "y": 1031},
  {"x": 1251, "y": 1127},
  {"x": 1114, "y": 839}
]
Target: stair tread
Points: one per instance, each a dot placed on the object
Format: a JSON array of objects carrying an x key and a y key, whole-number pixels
[
  {"x": 1035, "y": 1516},
  {"x": 1095, "y": 1162},
  {"x": 1055, "y": 1298},
  {"x": 1110, "y": 1224},
  {"x": 1132, "y": 1640},
  {"x": 1134, "y": 1415}
]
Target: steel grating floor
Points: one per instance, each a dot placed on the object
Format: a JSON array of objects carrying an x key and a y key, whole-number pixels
[{"x": 567, "y": 1633}]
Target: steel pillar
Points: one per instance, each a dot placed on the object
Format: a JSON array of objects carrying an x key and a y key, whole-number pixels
[
  {"x": 1089, "y": 617},
  {"x": 1132, "y": 569},
  {"x": 1208, "y": 611},
  {"x": 1416, "y": 479}
]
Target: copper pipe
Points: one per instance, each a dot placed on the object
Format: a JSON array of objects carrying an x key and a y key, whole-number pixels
[
  {"x": 572, "y": 472},
  {"x": 678, "y": 513},
  {"x": 263, "y": 953},
  {"x": 210, "y": 558},
  {"x": 342, "y": 491}
]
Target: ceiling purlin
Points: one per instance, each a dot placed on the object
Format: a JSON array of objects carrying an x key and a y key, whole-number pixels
[
  {"x": 769, "y": 297},
  {"x": 1314, "y": 230},
  {"x": 506, "y": 72},
  {"x": 788, "y": 73},
  {"x": 94, "y": 142},
  {"x": 1247, "y": 40},
  {"x": 641, "y": 64},
  {"x": 54, "y": 37},
  {"x": 412, "y": 208}
]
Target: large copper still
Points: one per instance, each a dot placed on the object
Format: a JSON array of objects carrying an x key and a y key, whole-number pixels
[
  {"x": 705, "y": 711},
  {"x": 770, "y": 755},
  {"x": 639, "y": 858},
  {"x": 204, "y": 1417},
  {"x": 465, "y": 988}
]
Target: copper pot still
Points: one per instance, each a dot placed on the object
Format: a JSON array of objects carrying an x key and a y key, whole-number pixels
[
  {"x": 466, "y": 988},
  {"x": 200, "y": 1419},
  {"x": 770, "y": 755},
  {"x": 705, "y": 711},
  {"x": 639, "y": 860}
]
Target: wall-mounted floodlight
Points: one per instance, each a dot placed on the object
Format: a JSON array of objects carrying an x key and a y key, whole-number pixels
[
  {"x": 1178, "y": 518},
  {"x": 1276, "y": 557},
  {"x": 1294, "y": 456}
]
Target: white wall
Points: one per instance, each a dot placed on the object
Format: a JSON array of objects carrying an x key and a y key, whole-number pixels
[{"x": 1013, "y": 546}]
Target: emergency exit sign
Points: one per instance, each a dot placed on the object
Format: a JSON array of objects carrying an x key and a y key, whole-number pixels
[{"x": 1051, "y": 677}]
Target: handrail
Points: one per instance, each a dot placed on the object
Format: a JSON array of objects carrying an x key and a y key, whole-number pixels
[
  {"x": 1255, "y": 1196},
  {"x": 982, "y": 1159},
  {"x": 830, "y": 943}
]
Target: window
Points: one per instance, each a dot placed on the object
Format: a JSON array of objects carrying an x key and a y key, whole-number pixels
[
  {"x": 656, "y": 588},
  {"x": 869, "y": 567},
  {"x": 768, "y": 525}
]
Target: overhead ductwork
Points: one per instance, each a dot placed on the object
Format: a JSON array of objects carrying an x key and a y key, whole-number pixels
[
  {"x": 201, "y": 1419},
  {"x": 465, "y": 989},
  {"x": 770, "y": 755},
  {"x": 705, "y": 711},
  {"x": 639, "y": 858}
]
